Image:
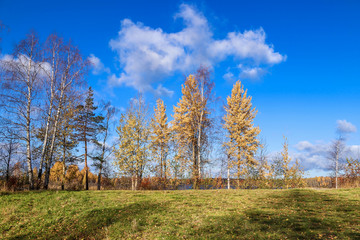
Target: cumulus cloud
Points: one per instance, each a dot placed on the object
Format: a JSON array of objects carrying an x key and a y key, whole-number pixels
[
  {"x": 316, "y": 155},
  {"x": 21, "y": 63},
  {"x": 344, "y": 126},
  {"x": 97, "y": 66},
  {"x": 148, "y": 55},
  {"x": 313, "y": 156}
]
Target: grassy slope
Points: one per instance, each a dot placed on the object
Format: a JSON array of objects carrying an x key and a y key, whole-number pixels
[{"x": 207, "y": 214}]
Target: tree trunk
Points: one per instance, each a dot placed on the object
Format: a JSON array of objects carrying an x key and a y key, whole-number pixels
[
  {"x": 86, "y": 167},
  {"x": 10, "y": 152},
  {"x": 136, "y": 182},
  {"x": 56, "y": 121},
  {"x": 133, "y": 183},
  {"x": 199, "y": 143},
  {"x": 228, "y": 178},
  {"x": 64, "y": 167},
  {"x": 336, "y": 171},
  {"x": 45, "y": 142},
  {"x": 28, "y": 139},
  {"x": 195, "y": 167},
  {"x": 99, "y": 179}
]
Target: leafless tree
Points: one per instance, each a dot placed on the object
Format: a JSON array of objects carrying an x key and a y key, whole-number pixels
[
  {"x": 336, "y": 151},
  {"x": 9, "y": 146},
  {"x": 106, "y": 150},
  {"x": 51, "y": 71},
  {"x": 73, "y": 68},
  {"x": 19, "y": 87}
]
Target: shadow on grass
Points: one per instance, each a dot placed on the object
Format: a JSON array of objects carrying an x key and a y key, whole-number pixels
[
  {"x": 94, "y": 223},
  {"x": 293, "y": 214}
]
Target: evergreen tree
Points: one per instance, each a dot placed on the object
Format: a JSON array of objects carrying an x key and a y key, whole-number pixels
[
  {"x": 242, "y": 142},
  {"x": 88, "y": 125}
]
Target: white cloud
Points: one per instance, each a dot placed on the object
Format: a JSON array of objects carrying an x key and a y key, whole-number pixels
[
  {"x": 229, "y": 76},
  {"x": 344, "y": 126},
  {"x": 148, "y": 55},
  {"x": 162, "y": 91},
  {"x": 247, "y": 45},
  {"x": 253, "y": 73},
  {"x": 21, "y": 63},
  {"x": 97, "y": 66},
  {"x": 316, "y": 156}
]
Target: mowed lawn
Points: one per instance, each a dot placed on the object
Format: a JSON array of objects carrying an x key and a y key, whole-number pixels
[{"x": 190, "y": 214}]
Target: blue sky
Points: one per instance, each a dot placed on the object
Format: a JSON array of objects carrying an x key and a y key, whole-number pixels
[{"x": 298, "y": 59}]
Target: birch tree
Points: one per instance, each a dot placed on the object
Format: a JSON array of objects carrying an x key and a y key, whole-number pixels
[
  {"x": 336, "y": 150},
  {"x": 73, "y": 69},
  {"x": 242, "y": 142},
  {"x": 19, "y": 88},
  {"x": 51, "y": 77}
]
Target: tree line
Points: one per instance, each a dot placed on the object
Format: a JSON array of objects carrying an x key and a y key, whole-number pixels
[{"x": 50, "y": 122}]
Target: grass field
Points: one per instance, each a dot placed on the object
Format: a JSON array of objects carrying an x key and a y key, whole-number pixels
[{"x": 203, "y": 214}]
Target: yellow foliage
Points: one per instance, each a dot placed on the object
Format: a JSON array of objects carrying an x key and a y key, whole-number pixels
[
  {"x": 190, "y": 124},
  {"x": 73, "y": 174},
  {"x": 160, "y": 138},
  {"x": 242, "y": 142},
  {"x": 56, "y": 172},
  {"x": 133, "y": 131}
]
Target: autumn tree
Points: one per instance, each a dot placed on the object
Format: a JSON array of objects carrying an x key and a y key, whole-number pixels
[
  {"x": 264, "y": 169},
  {"x": 103, "y": 149},
  {"x": 56, "y": 172},
  {"x": 352, "y": 169},
  {"x": 20, "y": 84},
  {"x": 131, "y": 154},
  {"x": 335, "y": 153},
  {"x": 287, "y": 172},
  {"x": 160, "y": 137},
  {"x": 71, "y": 75},
  {"x": 192, "y": 122},
  {"x": 67, "y": 140},
  {"x": 73, "y": 174},
  {"x": 242, "y": 142},
  {"x": 88, "y": 125}
]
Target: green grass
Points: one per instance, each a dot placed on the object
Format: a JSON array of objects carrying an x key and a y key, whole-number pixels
[{"x": 203, "y": 214}]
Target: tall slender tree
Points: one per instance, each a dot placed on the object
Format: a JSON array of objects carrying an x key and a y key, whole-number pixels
[
  {"x": 19, "y": 87},
  {"x": 88, "y": 125},
  {"x": 103, "y": 149},
  {"x": 192, "y": 122},
  {"x": 336, "y": 151},
  {"x": 67, "y": 139},
  {"x": 242, "y": 142},
  {"x": 73, "y": 69},
  {"x": 160, "y": 139}
]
